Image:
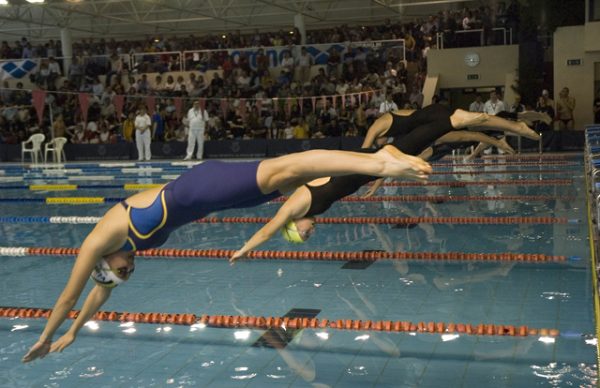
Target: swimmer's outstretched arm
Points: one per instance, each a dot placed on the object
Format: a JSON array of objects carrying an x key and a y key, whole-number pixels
[
  {"x": 377, "y": 130},
  {"x": 102, "y": 240},
  {"x": 373, "y": 189},
  {"x": 86, "y": 260},
  {"x": 92, "y": 304},
  {"x": 295, "y": 207}
]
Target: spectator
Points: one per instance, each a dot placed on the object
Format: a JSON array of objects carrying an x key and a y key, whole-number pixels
[
  {"x": 517, "y": 106},
  {"x": 304, "y": 63},
  {"x": 477, "y": 105},
  {"x": 142, "y": 134},
  {"x": 197, "y": 119},
  {"x": 550, "y": 138},
  {"x": 5, "y": 93},
  {"x": 547, "y": 100},
  {"x": 564, "y": 110},
  {"x": 333, "y": 62},
  {"x": 76, "y": 73},
  {"x": 493, "y": 106},
  {"x": 42, "y": 74},
  {"x": 159, "y": 124},
  {"x": 169, "y": 86},
  {"x": 97, "y": 88},
  {"x": 300, "y": 129},
  {"x": 116, "y": 69},
  {"x": 128, "y": 127},
  {"x": 288, "y": 131},
  {"x": 416, "y": 97},
  {"x": 78, "y": 135},
  {"x": 262, "y": 61},
  {"x": 53, "y": 73},
  {"x": 158, "y": 86},
  {"x": 287, "y": 64},
  {"x": 596, "y": 111},
  {"x": 59, "y": 129}
]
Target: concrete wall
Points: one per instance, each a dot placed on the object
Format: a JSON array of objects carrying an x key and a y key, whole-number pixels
[
  {"x": 570, "y": 43},
  {"x": 495, "y": 63},
  {"x": 592, "y": 32}
]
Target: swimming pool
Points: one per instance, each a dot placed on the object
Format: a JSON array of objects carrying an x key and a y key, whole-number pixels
[{"x": 552, "y": 295}]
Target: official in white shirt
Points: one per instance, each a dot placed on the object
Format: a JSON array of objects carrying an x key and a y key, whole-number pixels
[
  {"x": 197, "y": 119},
  {"x": 493, "y": 106},
  {"x": 142, "y": 134},
  {"x": 388, "y": 105}
]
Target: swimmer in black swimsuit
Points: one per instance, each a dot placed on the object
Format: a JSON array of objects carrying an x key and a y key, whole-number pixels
[
  {"x": 400, "y": 123},
  {"x": 295, "y": 219},
  {"x": 146, "y": 219}
]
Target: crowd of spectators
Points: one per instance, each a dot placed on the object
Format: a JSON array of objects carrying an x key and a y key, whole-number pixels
[{"x": 242, "y": 101}]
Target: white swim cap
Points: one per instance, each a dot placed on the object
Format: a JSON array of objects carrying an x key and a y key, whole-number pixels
[{"x": 104, "y": 276}]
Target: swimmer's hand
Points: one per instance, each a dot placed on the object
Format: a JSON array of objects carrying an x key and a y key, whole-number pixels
[
  {"x": 38, "y": 350},
  {"x": 64, "y": 341},
  {"x": 237, "y": 255},
  {"x": 373, "y": 188}
]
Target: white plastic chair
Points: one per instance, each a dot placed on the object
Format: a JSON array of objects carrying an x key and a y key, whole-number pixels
[
  {"x": 36, "y": 141},
  {"x": 55, "y": 146}
]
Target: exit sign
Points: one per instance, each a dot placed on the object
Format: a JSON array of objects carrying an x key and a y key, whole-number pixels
[
  {"x": 574, "y": 62},
  {"x": 472, "y": 77}
]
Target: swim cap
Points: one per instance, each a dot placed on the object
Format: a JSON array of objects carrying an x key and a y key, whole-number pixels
[
  {"x": 103, "y": 276},
  {"x": 290, "y": 233}
]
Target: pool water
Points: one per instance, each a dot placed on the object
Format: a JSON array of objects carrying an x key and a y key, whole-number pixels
[{"x": 539, "y": 295}]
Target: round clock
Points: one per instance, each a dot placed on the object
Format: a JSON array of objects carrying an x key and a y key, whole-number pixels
[{"x": 472, "y": 59}]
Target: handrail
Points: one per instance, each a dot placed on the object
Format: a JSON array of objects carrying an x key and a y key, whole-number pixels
[
  {"x": 130, "y": 58},
  {"x": 507, "y": 36}
]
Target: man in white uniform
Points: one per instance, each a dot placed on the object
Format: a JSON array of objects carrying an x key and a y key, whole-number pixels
[
  {"x": 197, "y": 119},
  {"x": 493, "y": 106},
  {"x": 142, "y": 134}
]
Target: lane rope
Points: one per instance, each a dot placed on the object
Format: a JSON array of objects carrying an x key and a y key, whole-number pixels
[
  {"x": 352, "y": 198},
  {"x": 265, "y": 323},
  {"x": 144, "y": 186},
  {"x": 319, "y": 220},
  {"x": 172, "y": 253},
  {"x": 512, "y": 182}
]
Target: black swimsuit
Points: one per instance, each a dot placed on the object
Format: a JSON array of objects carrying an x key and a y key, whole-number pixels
[{"x": 322, "y": 197}]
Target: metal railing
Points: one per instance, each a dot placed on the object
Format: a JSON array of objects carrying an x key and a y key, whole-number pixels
[
  {"x": 150, "y": 62},
  {"x": 473, "y": 38}
]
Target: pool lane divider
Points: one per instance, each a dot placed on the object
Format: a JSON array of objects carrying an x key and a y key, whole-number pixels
[
  {"x": 594, "y": 265},
  {"x": 354, "y": 198},
  {"x": 508, "y": 182},
  {"x": 321, "y": 220},
  {"x": 172, "y": 253},
  {"x": 142, "y": 186},
  {"x": 441, "y": 171},
  {"x": 294, "y": 323},
  {"x": 278, "y": 337}
]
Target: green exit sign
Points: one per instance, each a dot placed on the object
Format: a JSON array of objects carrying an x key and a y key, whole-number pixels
[{"x": 472, "y": 77}]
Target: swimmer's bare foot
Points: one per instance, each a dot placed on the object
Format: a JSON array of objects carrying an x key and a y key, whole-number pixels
[
  {"x": 462, "y": 119},
  {"x": 523, "y": 130},
  {"x": 470, "y": 157},
  {"x": 504, "y": 146},
  {"x": 529, "y": 116},
  {"x": 403, "y": 165}
]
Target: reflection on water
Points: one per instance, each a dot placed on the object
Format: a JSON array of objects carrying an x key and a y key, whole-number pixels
[{"x": 561, "y": 374}]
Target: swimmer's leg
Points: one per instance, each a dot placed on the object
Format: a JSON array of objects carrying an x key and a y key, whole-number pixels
[
  {"x": 467, "y": 136},
  {"x": 462, "y": 119},
  {"x": 290, "y": 171}
]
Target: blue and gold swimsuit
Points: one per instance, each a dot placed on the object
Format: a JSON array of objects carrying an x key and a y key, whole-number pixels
[{"x": 207, "y": 187}]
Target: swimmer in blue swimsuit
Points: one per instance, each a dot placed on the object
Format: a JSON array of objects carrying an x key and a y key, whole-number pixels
[{"x": 146, "y": 219}]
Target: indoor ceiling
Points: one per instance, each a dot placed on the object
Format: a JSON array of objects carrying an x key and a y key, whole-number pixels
[{"x": 132, "y": 19}]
